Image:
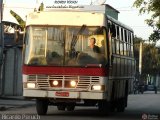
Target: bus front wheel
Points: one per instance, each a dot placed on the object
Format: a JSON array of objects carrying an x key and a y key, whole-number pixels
[{"x": 41, "y": 106}]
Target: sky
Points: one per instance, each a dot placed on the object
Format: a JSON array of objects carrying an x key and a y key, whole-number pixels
[{"x": 128, "y": 14}]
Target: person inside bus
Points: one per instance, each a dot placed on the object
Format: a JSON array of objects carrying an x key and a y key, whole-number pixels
[
  {"x": 92, "y": 45},
  {"x": 102, "y": 48},
  {"x": 93, "y": 55}
]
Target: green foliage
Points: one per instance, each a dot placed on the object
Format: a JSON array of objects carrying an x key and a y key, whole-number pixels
[
  {"x": 18, "y": 18},
  {"x": 41, "y": 7},
  {"x": 148, "y": 6},
  {"x": 150, "y": 57},
  {"x": 137, "y": 40},
  {"x": 152, "y": 7},
  {"x": 155, "y": 36}
]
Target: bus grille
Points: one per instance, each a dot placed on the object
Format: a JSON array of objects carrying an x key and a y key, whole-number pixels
[{"x": 83, "y": 82}]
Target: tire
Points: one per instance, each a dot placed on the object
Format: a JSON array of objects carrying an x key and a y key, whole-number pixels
[
  {"x": 61, "y": 107},
  {"x": 70, "y": 107},
  {"x": 156, "y": 92},
  {"x": 121, "y": 105},
  {"x": 41, "y": 106},
  {"x": 112, "y": 107}
]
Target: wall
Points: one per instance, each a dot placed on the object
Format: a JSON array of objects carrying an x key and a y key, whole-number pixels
[
  {"x": 12, "y": 75},
  {"x": 10, "y": 70}
]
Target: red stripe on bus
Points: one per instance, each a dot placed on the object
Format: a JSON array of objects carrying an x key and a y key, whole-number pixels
[{"x": 65, "y": 71}]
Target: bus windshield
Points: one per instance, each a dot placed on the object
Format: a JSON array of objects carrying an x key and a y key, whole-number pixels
[{"x": 65, "y": 46}]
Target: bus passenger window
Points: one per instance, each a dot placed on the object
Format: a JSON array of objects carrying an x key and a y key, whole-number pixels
[
  {"x": 125, "y": 36},
  {"x": 117, "y": 47},
  {"x": 122, "y": 37},
  {"x": 113, "y": 30},
  {"x": 117, "y": 32}
]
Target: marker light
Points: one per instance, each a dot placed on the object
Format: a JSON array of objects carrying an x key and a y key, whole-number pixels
[
  {"x": 55, "y": 83},
  {"x": 96, "y": 87},
  {"x": 31, "y": 85},
  {"x": 73, "y": 83}
]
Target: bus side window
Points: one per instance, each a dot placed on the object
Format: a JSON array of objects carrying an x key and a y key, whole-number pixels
[
  {"x": 132, "y": 53},
  {"x": 121, "y": 42},
  {"x": 113, "y": 37},
  {"x": 117, "y": 41},
  {"x": 125, "y": 42},
  {"x": 129, "y": 43},
  {"x": 113, "y": 30}
]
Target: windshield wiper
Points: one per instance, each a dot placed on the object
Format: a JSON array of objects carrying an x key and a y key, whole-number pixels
[{"x": 75, "y": 37}]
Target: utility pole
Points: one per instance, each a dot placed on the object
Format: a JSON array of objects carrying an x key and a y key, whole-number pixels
[
  {"x": 140, "y": 58},
  {"x": 1, "y": 23},
  {"x": 1, "y": 16},
  {"x": 1, "y": 31},
  {"x": 1, "y": 47}
]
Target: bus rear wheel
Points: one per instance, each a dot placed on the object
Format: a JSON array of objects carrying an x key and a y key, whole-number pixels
[
  {"x": 70, "y": 107},
  {"x": 61, "y": 107},
  {"x": 41, "y": 106},
  {"x": 121, "y": 105}
]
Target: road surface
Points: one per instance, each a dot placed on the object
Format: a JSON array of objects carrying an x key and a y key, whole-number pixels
[{"x": 138, "y": 105}]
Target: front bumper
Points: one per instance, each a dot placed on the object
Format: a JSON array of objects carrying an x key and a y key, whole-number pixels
[{"x": 71, "y": 95}]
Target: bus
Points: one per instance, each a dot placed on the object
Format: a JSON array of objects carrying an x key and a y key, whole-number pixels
[{"x": 60, "y": 67}]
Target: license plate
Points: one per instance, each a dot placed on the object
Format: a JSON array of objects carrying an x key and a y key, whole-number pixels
[{"x": 62, "y": 94}]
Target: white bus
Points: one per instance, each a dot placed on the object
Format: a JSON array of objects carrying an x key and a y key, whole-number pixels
[{"x": 63, "y": 69}]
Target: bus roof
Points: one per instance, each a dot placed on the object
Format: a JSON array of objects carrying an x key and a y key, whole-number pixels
[
  {"x": 66, "y": 18},
  {"x": 119, "y": 23},
  {"x": 92, "y": 15}
]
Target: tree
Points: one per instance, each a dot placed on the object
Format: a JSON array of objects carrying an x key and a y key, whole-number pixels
[
  {"x": 155, "y": 36},
  {"x": 150, "y": 58},
  {"x": 19, "y": 19},
  {"x": 151, "y": 63},
  {"x": 152, "y": 7},
  {"x": 41, "y": 7}
]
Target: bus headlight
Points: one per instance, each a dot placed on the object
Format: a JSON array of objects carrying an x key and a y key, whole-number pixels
[
  {"x": 31, "y": 85},
  {"x": 55, "y": 82},
  {"x": 73, "y": 83}
]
